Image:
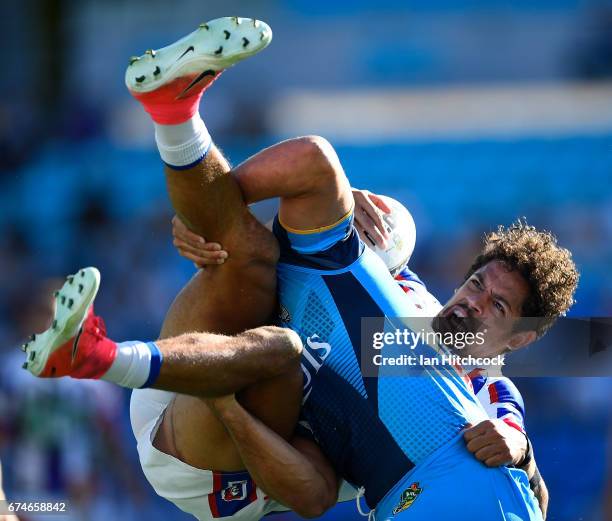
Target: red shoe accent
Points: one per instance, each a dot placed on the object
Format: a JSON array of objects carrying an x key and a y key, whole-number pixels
[
  {"x": 175, "y": 103},
  {"x": 93, "y": 356}
]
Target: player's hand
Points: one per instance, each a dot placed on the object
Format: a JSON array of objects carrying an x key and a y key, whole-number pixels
[
  {"x": 368, "y": 217},
  {"x": 195, "y": 248},
  {"x": 496, "y": 443}
]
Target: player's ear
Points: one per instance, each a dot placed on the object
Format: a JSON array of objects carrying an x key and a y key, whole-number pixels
[{"x": 521, "y": 339}]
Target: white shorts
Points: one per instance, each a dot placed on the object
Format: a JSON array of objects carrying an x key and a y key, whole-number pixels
[{"x": 206, "y": 494}]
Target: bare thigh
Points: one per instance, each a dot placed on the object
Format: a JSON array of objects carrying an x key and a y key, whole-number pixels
[
  {"x": 193, "y": 434},
  {"x": 189, "y": 430},
  {"x": 226, "y": 299}
]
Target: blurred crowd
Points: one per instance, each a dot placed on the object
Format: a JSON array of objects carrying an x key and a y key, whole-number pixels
[
  {"x": 72, "y": 439},
  {"x": 81, "y": 184}
]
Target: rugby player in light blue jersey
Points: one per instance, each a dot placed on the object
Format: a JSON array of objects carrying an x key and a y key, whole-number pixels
[
  {"x": 494, "y": 442},
  {"x": 501, "y": 439},
  {"x": 399, "y": 439}
]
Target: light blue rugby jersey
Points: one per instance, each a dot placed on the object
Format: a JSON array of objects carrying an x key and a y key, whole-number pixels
[{"x": 373, "y": 430}]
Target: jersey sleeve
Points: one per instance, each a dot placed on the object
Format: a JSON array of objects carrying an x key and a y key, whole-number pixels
[
  {"x": 407, "y": 279},
  {"x": 500, "y": 398},
  {"x": 327, "y": 248}
]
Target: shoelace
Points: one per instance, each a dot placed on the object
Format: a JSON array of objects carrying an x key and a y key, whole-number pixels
[
  {"x": 92, "y": 325},
  {"x": 370, "y": 514},
  {"x": 98, "y": 328}
]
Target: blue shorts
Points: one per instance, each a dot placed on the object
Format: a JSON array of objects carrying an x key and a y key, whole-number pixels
[{"x": 452, "y": 484}]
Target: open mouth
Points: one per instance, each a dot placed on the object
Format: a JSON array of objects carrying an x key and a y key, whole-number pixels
[{"x": 457, "y": 319}]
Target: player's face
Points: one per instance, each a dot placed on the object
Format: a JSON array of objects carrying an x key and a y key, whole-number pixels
[{"x": 489, "y": 302}]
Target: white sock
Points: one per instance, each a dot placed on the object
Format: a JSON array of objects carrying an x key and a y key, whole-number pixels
[
  {"x": 137, "y": 365},
  {"x": 184, "y": 144}
]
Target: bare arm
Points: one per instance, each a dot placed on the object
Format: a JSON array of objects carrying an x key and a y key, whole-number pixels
[
  {"x": 536, "y": 481},
  {"x": 295, "y": 474}
]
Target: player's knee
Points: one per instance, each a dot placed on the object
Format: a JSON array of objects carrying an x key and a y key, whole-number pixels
[
  {"x": 261, "y": 244},
  {"x": 321, "y": 156},
  {"x": 253, "y": 255},
  {"x": 283, "y": 346},
  {"x": 287, "y": 341}
]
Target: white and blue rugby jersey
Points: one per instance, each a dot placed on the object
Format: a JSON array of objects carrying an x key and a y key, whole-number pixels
[
  {"x": 373, "y": 430},
  {"x": 499, "y": 397}
]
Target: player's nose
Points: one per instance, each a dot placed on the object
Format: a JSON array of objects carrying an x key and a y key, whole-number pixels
[{"x": 476, "y": 304}]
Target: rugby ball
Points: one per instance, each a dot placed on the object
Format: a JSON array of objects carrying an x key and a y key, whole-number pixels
[{"x": 400, "y": 226}]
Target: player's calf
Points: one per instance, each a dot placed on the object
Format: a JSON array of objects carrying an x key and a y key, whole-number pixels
[
  {"x": 200, "y": 364},
  {"x": 169, "y": 83}
]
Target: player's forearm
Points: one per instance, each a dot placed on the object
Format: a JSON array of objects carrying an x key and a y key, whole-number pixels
[
  {"x": 277, "y": 467},
  {"x": 209, "y": 365},
  {"x": 536, "y": 482},
  {"x": 540, "y": 490}
]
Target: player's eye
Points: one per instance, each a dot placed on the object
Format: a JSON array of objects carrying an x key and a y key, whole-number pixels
[
  {"x": 476, "y": 283},
  {"x": 499, "y": 306}
]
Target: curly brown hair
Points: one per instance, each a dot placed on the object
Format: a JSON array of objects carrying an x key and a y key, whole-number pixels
[{"x": 547, "y": 267}]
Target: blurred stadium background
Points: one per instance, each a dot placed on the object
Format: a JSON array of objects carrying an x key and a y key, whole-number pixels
[{"x": 472, "y": 113}]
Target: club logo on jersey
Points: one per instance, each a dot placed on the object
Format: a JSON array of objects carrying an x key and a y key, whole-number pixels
[
  {"x": 232, "y": 492},
  {"x": 236, "y": 491},
  {"x": 408, "y": 497}
]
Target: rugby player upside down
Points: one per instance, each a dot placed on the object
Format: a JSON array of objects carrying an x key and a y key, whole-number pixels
[{"x": 213, "y": 343}]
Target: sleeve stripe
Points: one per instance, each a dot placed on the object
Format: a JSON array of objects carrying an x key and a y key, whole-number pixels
[
  {"x": 500, "y": 393},
  {"x": 513, "y": 424}
]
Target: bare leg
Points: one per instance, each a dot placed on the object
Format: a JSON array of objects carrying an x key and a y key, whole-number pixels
[
  {"x": 204, "y": 364},
  {"x": 241, "y": 294},
  {"x": 259, "y": 364},
  {"x": 306, "y": 174},
  {"x": 208, "y": 365},
  {"x": 229, "y": 299},
  {"x": 192, "y": 433},
  {"x": 295, "y": 169}
]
